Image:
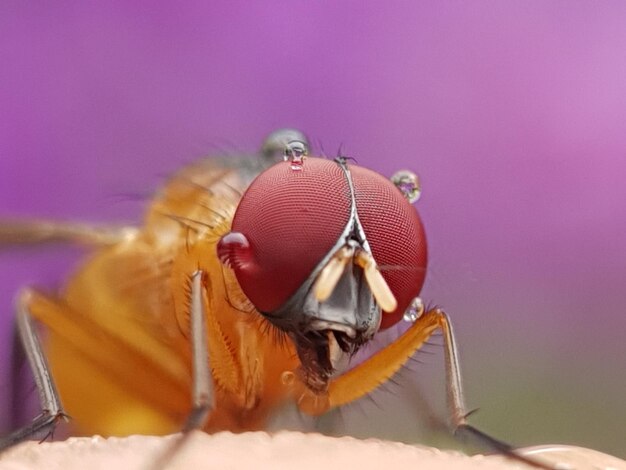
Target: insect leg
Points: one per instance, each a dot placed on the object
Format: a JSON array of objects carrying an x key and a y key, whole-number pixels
[
  {"x": 36, "y": 232},
  {"x": 51, "y": 408},
  {"x": 377, "y": 369},
  {"x": 364, "y": 378},
  {"x": 203, "y": 387},
  {"x": 202, "y": 393},
  {"x": 456, "y": 402}
]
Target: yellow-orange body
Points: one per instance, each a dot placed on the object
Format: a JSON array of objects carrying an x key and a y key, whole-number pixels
[
  {"x": 118, "y": 339},
  {"x": 118, "y": 334}
]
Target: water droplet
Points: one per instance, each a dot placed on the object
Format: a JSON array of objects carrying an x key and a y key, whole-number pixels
[
  {"x": 408, "y": 183},
  {"x": 274, "y": 145},
  {"x": 295, "y": 152},
  {"x": 415, "y": 310}
]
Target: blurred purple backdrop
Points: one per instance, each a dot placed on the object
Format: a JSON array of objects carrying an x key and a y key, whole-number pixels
[{"x": 513, "y": 113}]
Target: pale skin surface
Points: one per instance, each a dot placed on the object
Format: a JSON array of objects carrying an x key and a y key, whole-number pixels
[{"x": 284, "y": 450}]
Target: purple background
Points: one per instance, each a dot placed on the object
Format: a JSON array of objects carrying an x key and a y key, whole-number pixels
[{"x": 513, "y": 113}]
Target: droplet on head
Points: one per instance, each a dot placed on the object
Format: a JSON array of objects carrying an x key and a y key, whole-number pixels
[
  {"x": 274, "y": 144},
  {"x": 408, "y": 183},
  {"x": 295, "y": 152},
  {"x": 415, "y": 310}
]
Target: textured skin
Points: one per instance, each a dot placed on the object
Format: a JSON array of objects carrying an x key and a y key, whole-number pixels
[{"x": 278, "y": 451}]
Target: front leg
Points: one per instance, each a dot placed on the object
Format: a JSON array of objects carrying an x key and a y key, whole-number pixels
[
  {"x": 203, "y": 388},
  {"x": 456, "y": 401},
  {"x": 379, "y": 368},
  {"x": 376, "y": 370}
]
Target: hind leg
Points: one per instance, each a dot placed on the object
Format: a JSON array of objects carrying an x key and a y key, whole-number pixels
[{"x": 50, "y": 402}]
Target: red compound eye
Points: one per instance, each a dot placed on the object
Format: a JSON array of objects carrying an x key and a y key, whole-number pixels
[
  {"x": 395, "y": 234},
  {"x": 290, "y": 218}
]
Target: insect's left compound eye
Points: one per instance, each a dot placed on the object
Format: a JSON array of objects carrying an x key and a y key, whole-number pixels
[
  {"x": 395, "y": 234},
  {"x": 292, "y": 219}
]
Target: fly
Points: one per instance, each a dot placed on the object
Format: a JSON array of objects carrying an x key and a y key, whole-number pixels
[{"x": 248, "y": 285}]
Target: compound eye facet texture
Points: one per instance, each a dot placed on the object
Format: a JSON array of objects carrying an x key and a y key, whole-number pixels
[
  {"x": 292, "y": 219},
  {"x": 395, "y": 234}
]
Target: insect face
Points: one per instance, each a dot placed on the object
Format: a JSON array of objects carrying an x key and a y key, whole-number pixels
[{"x": 329, "y": 252}]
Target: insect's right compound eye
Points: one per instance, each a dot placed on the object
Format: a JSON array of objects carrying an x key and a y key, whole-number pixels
[{"x": 287, "y": 221}]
